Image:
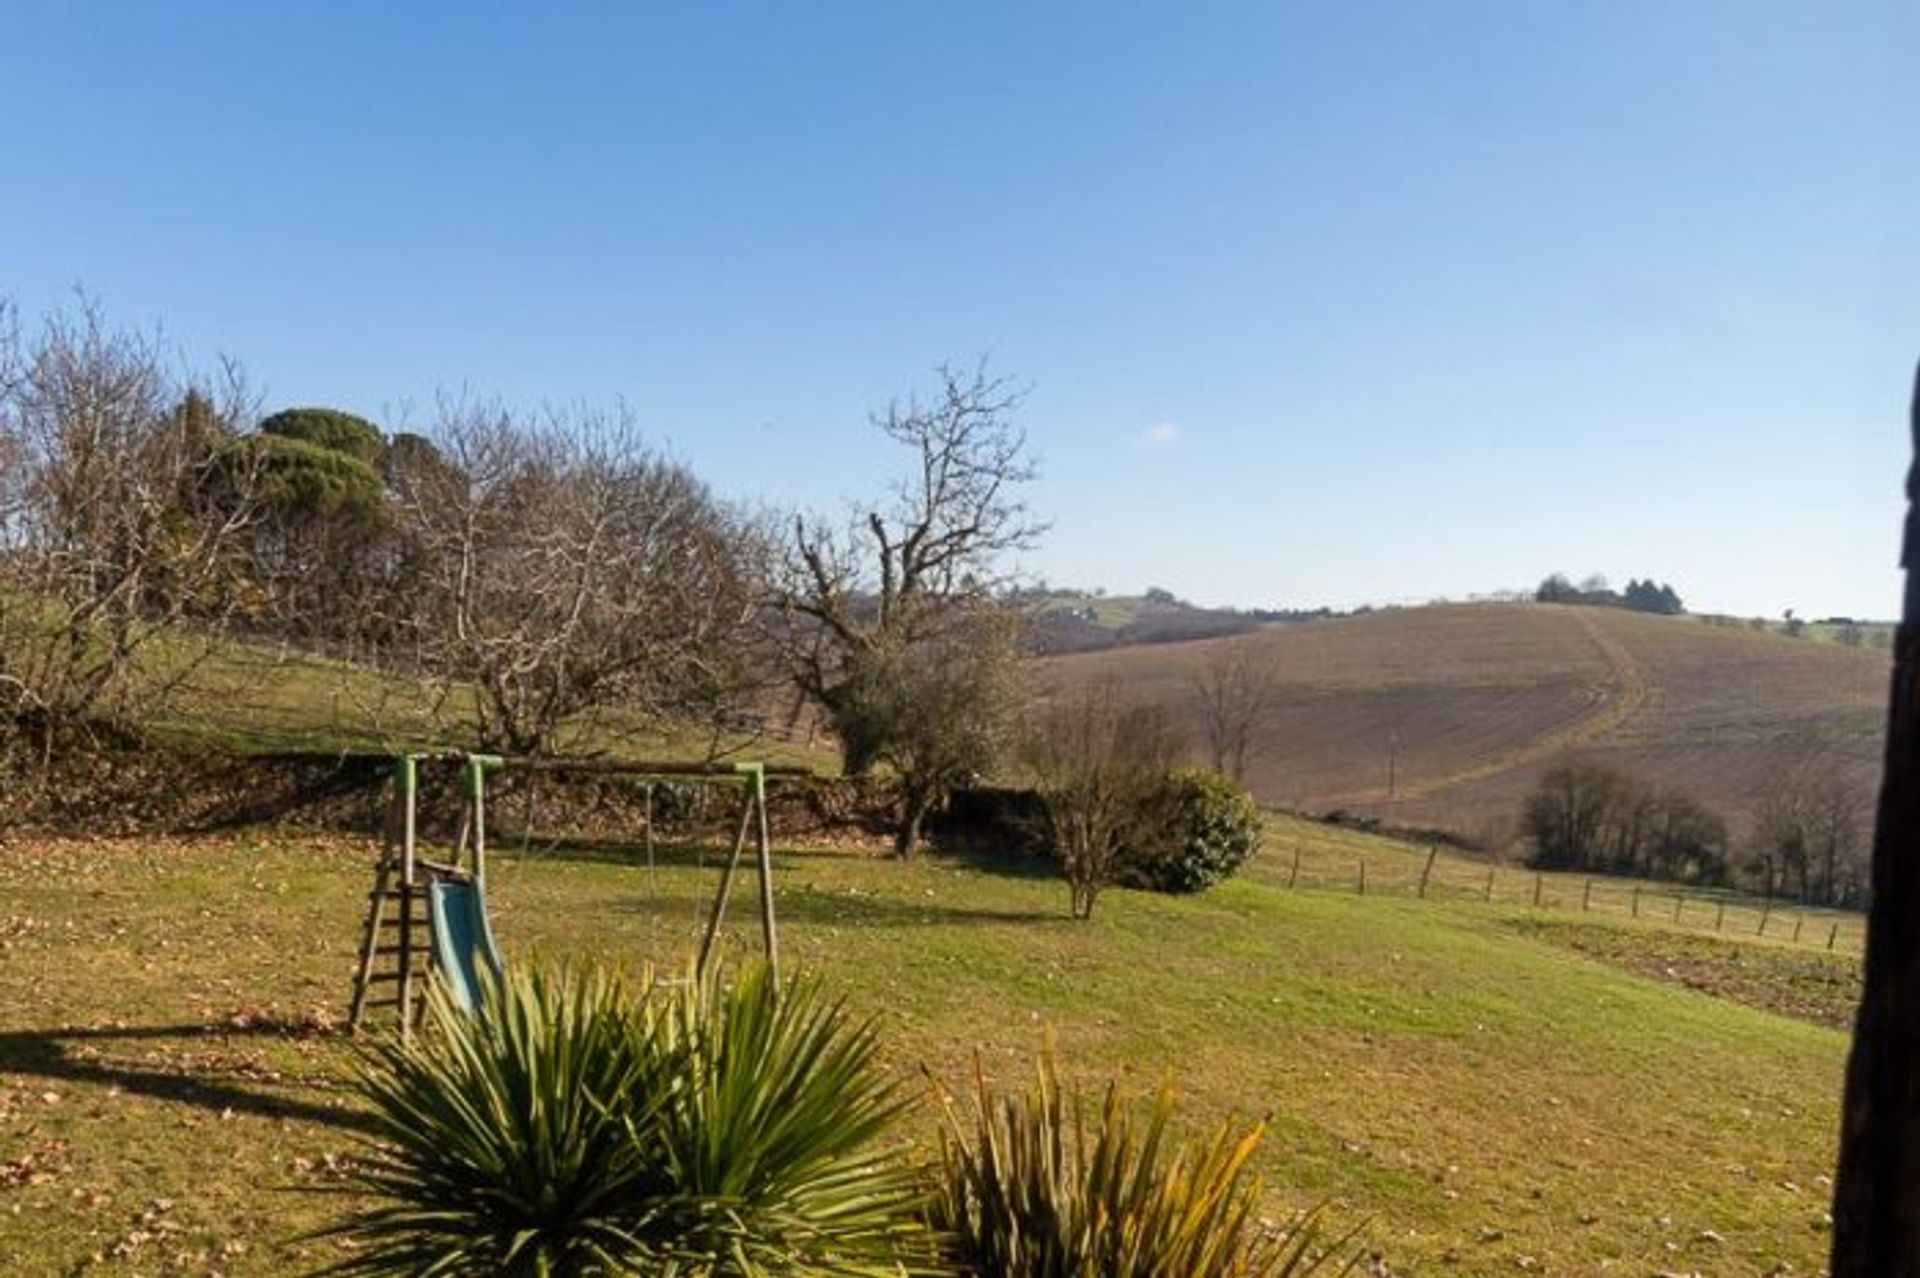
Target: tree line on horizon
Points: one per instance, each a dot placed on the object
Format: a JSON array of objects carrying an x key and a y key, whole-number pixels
[{"x": 1596, "y": 591}]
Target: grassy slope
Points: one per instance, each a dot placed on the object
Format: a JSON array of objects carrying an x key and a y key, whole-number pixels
[
  {"x": 1480, "y": 1089},
  {"x": 1478, "y": 699},
  {"x": 252, "y": 698}
]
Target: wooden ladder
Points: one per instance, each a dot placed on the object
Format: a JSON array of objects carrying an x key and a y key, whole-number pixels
[
  {"x": 396, "y": 951},
  {"x": 396, "y": 943}
]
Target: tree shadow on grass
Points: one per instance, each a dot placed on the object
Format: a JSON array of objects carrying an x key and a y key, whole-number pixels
[
  {"x": 74, "y": 1055},
  {"x": 668, "y": 852},
  {"x": 815, "y": 907},
  {"x": 998, "y": 859}
]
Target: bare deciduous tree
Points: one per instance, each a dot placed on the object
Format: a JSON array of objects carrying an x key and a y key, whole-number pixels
[
  {"x": 1098, "y": 762},
  {"x": 940, "y": 710},
  {"x": 545, "y": 575},
  {"x": 1586, "y": 816},
  {"x": 898, "y": 574},
  {"x": 1808, "y": 833},
  {"x": 121, "y": 517},
  {"x": 1235, "y": 689}
]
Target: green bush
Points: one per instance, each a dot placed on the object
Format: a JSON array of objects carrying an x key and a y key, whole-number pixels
[
  {"x": 1202, "y": 828},
  {"x": 708, "y": 1132},
  {"x": 1023, "y": 1194}
]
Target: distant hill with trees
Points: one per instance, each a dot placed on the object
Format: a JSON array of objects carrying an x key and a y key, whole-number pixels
[
  {"x": 1595, "y": 591},
  {"x": 1066, "y": 620},
  {"x": 1450, "y": 717}
]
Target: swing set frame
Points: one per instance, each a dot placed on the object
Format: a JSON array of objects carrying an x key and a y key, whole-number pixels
[{"x": 404, "y": 873}]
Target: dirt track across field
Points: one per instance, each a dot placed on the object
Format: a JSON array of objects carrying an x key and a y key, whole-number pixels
[{"x": 1447, "y": 715}]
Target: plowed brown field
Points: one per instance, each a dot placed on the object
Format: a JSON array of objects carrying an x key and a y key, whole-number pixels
[{"x": 1468, "y": 704}]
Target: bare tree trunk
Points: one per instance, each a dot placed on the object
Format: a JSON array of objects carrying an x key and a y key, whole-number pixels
[
  {"x": 1083, "y": 896},
  {"x": 1876, "y": 1196},
  {"x": 1234, "y": 690},
  {"x": 915, "y": 805}
]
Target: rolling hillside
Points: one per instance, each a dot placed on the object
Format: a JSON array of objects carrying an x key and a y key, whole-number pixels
[{"x": 1468, "y": 704}]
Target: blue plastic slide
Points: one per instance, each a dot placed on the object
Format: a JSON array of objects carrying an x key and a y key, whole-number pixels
[{"x": 462, "y": 939}]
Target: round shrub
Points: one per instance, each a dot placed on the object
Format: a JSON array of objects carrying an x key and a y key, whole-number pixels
[{"x": 1202, "y": 829}]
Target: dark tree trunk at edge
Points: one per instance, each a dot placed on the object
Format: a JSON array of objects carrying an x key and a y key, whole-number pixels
[{"x": 1876, "y": 1196}]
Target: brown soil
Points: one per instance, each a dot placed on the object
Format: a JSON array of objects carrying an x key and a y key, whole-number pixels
[{"x": 1472, "y": 702}]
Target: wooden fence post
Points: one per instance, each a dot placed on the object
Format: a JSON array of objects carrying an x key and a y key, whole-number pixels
[
  {"x": 1538, "y": 878},
  {"x": 1489, "y": 893},
  {"x": 1427, "y": 870},
  {"x": 1293, "y": 875},
  {"x": 1636, "y": 900},
  {"x": 1586, "y": 897},
  {"x": 1679, "y": 903},
  {"x": 1798, "y": 919},
  {"x": 1833, "y": 934},
  {"x": 1766, "y": 908},
  {"x": 1363, "y": 876},
  {"x": 1720, "y": 916}
]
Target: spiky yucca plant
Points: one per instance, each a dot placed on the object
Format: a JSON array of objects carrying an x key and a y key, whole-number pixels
[
  {"x": 502, "y": 1143},
  {"x": 713, "y": 1131},
  {"x": 1026, "y": 1191},
  {"x": 774, "y": 1138}
]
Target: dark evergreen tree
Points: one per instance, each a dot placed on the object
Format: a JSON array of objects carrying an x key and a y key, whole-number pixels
[
  {"x": 1556, "y": 589},
  {"x": 331, "y": 429}
]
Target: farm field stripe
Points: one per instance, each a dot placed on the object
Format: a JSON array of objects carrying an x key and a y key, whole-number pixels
[{"x": 1622, "y": 695}]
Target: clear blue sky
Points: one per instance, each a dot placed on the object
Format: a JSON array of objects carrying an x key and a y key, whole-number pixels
[{"x": 1320, "y": 303}]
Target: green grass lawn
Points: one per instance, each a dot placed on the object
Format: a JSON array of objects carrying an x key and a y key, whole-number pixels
[
  {"x": 1310, "y": 854},
  {"x": 240, "y": 697},
  {"x": 1495, "y": 1089}
]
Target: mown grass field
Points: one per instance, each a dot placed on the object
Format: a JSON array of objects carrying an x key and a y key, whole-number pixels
[{"x": 1493, "y": 1088}]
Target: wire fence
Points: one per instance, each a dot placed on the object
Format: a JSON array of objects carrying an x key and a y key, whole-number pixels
[{"x": 1432, "y": 874}]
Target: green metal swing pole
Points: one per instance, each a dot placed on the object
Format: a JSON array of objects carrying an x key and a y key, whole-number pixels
[
  {"x": 753, "y": 817},
  {"x": 719, "y": 913},
  {"x": 757, "y": 798},
  {"x": 477, "y": 767},
  {"x": 407, "y": 782},
  {"x": 653, "y": 878}
]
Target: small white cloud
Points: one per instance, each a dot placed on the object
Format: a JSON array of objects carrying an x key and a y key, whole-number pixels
[{"x": 1160, "y": 434}]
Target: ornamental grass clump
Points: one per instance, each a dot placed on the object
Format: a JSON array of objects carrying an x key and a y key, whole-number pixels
[
  {"x": 1029, "y": 1189},
  {"x": 580, "y": 1128}
]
